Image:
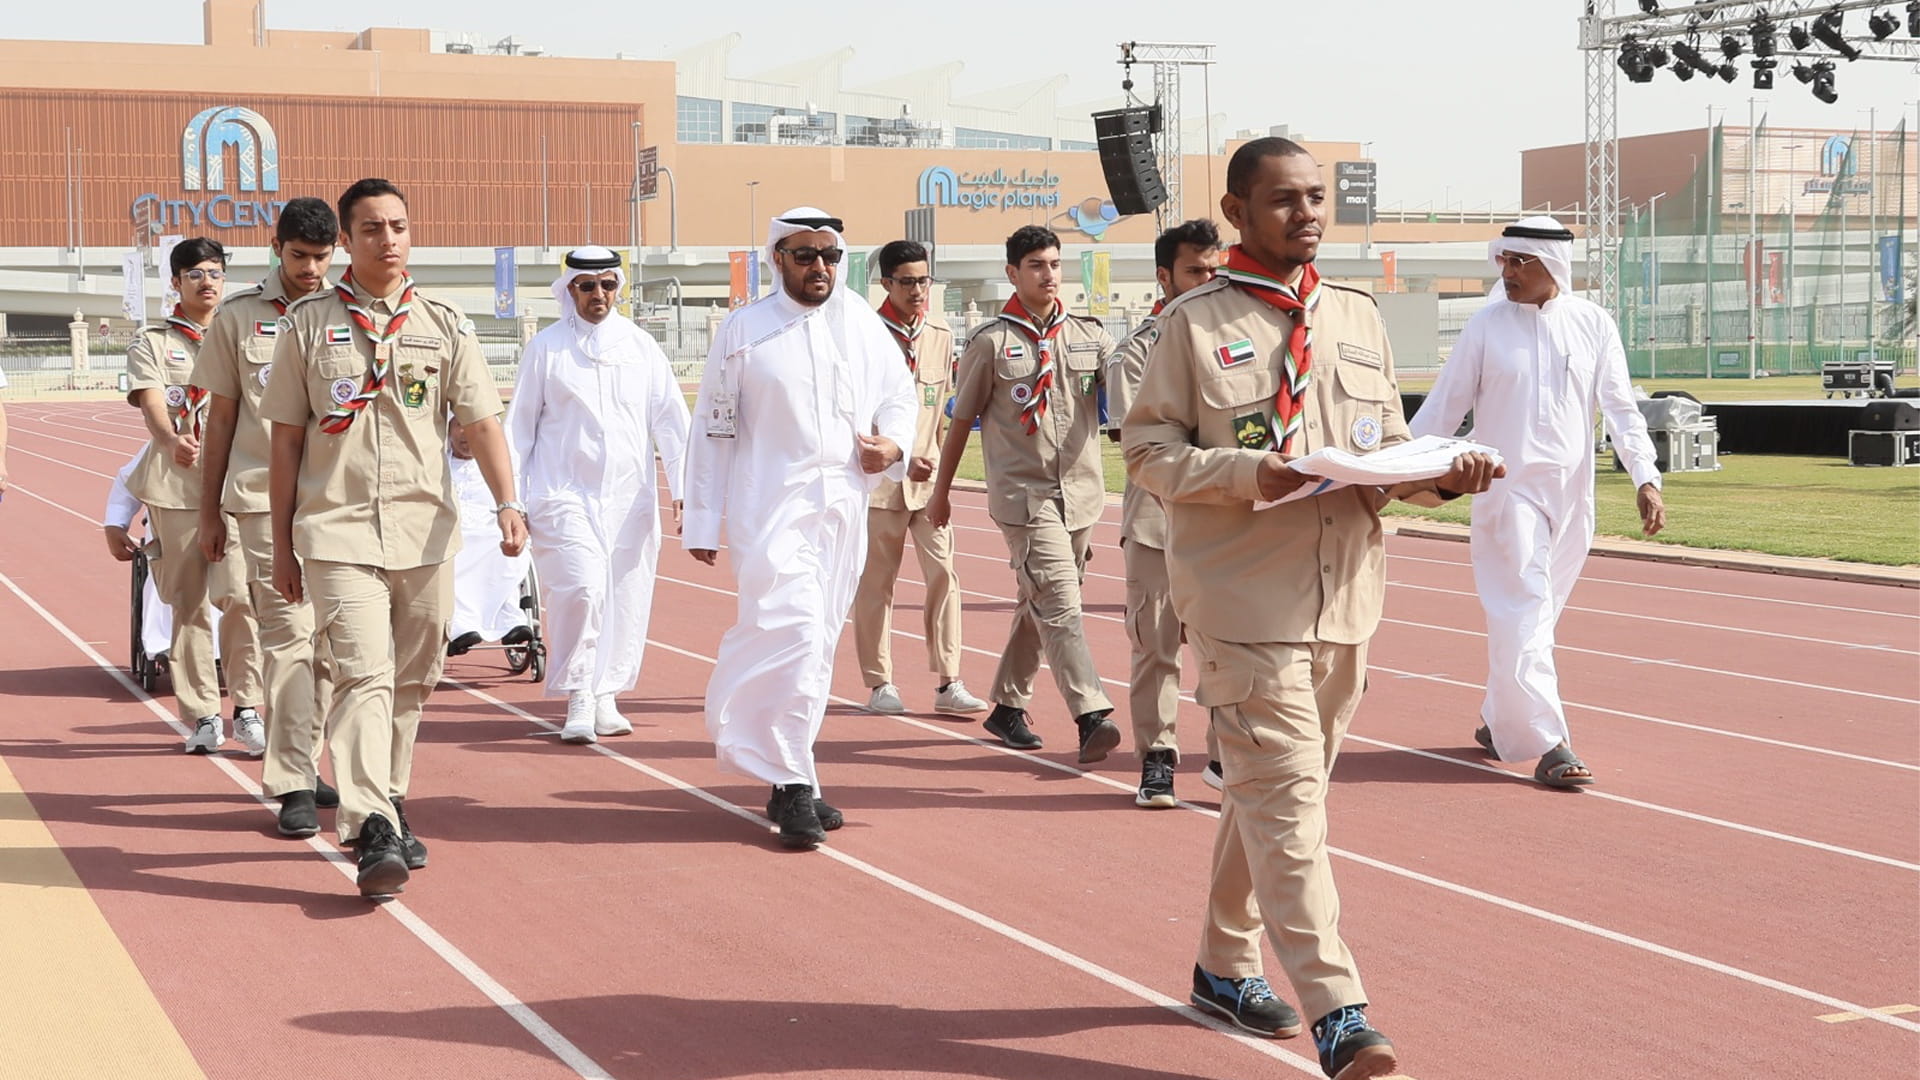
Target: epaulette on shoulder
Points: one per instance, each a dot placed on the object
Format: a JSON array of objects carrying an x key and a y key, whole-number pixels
[
  {"x": 1347, "y": 286},
  {"x": 1195, "y": 293},
  {"x": 1094, "y": 319},
  {"x": 254, "y": 289},
  {"x": 984, "y": 328},
  {"x": 308, "y": 299}
]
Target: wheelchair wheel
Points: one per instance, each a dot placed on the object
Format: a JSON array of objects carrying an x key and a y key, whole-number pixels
[
  {"x": 519, "y": 658},
  {"x": 145, "y": 670},
  {"x": 539, "y": 660},
  {"x": 536, "y": 659}
]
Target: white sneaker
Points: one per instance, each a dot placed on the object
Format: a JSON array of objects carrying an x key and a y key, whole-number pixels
[
  {"x": 580, "y": 715},
  {"x": 206, "y": 737},
  {"x": 886, "y": 700},
  {"x": 250, "y": 732},
  {"x": 955, "y": 699},
  {"x": 607, "y": 719},
  {"x": 1213, "y": 776}
]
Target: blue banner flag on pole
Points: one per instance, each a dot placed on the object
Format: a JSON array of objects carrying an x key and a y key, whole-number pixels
[
  {"x": 503, "y": 281},
  {"x": 753, "y": 275},
  {"x": 1890, "y": 259}
]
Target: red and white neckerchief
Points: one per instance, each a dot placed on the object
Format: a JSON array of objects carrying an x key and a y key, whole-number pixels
[
  {"x": 1034, "y": 408},
  {"x": 189, "y": 416},
  {"x": 341, "y": 417},
  {"x": 905, "y": 332},
  {"x": 1297, "y": 301}
]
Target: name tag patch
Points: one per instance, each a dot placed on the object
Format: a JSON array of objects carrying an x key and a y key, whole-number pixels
[
  {"x": 1361, "y": 355},
  {"x": 1252, "y": 431},
  {"x": 1366, "y": 433},
  {"x": 339, "y": 335},
  {"x": 266, "y": 329},
  {"x": 1084, "y": 346},
  {"x": 1235, "y": 353},
  {"x": 419, "y": 341}
]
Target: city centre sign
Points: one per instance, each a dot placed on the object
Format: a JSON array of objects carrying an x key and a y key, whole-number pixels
[
  {"x": 941, "y": 186},
  {"x": 203, "y": 146}
]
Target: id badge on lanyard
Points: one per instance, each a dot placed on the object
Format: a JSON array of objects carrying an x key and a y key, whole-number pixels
[{"x": 721, "y": 409}]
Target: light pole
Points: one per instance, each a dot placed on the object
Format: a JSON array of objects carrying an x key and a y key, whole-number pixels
[
  {"x": 633, "y": 203},
  {"x": 1373, "y": 196},
  {"x": 1793, "y": 226},
  {"x": 673, "y": 210},
  {"x": 1653, "y": 285}
]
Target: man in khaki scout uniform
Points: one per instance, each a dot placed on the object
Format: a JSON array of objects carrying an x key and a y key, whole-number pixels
[
  {"x": 1266, "y": 363},
  {"x": 1032, "y": 379},
  {"x": 1184, "y": 258},
  {"x": 233, "y": 367},
  {"x": 895, "y": 509},
  {"x": 167, "y": 480},
  {"x": 364, "y": 520}
]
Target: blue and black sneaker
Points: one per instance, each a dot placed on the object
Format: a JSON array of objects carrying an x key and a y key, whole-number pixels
[
  {"x": 1349, "y": 1047},
  {"x": 1248, "y": 1004}
]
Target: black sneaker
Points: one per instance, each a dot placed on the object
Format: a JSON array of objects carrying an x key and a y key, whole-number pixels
[
  {"x": 416, "y": 851},
  {"x": 1215, "y": 779},
  {"x": 830, "y": 819},
  {"x": 461, "y": 645},
  {"x": 791, "y": 807},
  {"x": 1009, "y": 725},
  {"x": 383, "y": 860},
  {"x": 1098, "y": 735},
  {"x": 297, "y": 817},
  {"x": 519, "y": 635},
  {"x": 1247, "y": 1004},
  {"x": 1156, "y": 780},
  {"x": 1349, "y": 1047},
  {"x": 324, "y": 795}
]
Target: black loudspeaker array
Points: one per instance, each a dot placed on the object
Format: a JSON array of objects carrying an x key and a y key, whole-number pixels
[{"x": 1126, "y": 156}]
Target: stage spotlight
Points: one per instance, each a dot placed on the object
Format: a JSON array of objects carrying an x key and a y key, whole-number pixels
[
  {"x": 1761, "y": 32},
  {"x": 1651, "y": 7},
  {"x": 1797, "y": 34},
  {"x": 1656, "y": 55},
  {"x": 1730, "y": 46},
  {"x": 1882, "y": 25},
  {"x": 1690, "y": 56},
  {"x": 1820, "y": 75},
  {"x": 1825, "y": 91},
  {"x": 1681, "y": 71},
  {"x": 1913, "y": 18},
  {"x": 1633, "y": 61},
  {"x": 1727, "y": 72},
  {"x": 1827, "y": 30},
  {"x": 1802, "y": 72},
  {"x": 1763, "y": 74}
]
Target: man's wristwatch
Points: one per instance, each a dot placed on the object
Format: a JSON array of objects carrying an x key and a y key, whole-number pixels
[{"x": 514, "y": 505}]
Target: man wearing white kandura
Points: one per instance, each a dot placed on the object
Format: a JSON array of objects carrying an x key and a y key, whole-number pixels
[
  {"x": 1533, "y": 366},
  {"x": 594, "y": 400}
]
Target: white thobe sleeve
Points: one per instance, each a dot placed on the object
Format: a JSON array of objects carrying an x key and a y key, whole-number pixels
[
  {"x": 896, "y": 411},
  {"x": 1453, "y": 393},
  {"x": 668, "y": 422},
  {"x": 523, "y": 411},
  {"x": 1624, "y": 423},
  {"x": 122, "y": 507},
  {"x": 709, "y": 460}
]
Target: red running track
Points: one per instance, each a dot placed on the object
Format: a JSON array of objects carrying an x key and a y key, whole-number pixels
[{"x": 1748, "y": 864}]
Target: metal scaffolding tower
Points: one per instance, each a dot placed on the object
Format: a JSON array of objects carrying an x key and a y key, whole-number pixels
[
  {"x": 1168, "y": 60},
  {"x": 1599, "y": 37}
]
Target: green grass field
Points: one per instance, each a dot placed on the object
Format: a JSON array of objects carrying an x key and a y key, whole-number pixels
[{"x": 1818, "y": 507}]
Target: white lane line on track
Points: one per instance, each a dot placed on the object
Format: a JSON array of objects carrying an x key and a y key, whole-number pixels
[
  {"x": 1045, "y": 948},
  {"x": 139, "y": 439},
  {"x": 1688, "y": 815},
  {"x": 460, "y": 962},
  {"x": 1568, "y": 922},
  {"x": 18, "y": 449}
]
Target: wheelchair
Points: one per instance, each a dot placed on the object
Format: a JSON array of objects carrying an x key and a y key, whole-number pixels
[{"x": 524, "y": 657}]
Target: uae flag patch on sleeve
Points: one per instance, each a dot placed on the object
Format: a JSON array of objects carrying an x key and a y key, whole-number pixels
[{"x": 1235, "y": 353}]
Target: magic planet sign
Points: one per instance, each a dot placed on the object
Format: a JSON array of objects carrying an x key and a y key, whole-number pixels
[
  {"x": 996, "y": 190},
  {"x": 204, "y": 202}
]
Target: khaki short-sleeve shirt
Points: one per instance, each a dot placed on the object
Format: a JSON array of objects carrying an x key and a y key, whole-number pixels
[
  {"x": 1061, "y": 461},
  {"x": 932, "y": 386},
  {"x": 378, "y": 493},
  {"x": 1303, "y": 571},
  {"x": 235, "y": 362},
  {"x": 161, "y": 358}
]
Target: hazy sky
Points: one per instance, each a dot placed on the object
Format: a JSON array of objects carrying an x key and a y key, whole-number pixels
[{"x": 1448, "y": 93}]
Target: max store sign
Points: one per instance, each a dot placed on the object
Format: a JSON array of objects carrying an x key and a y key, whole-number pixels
[
  {"x": 203, "y": 169},
  {"x": 941, "y": 186}
]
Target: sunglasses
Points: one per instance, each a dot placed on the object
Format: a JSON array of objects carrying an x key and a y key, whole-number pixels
[
  {"x": 805, "y": 255},
  {"x": 198, "y": 274},
  {"x": 910, "y": 282},
  {"x": 1517, "y": 262},
  {"x": 593, "y": 285}
]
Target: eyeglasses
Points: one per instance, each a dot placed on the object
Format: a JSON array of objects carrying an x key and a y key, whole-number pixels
[
  {"x": 805, "y": 255},
  {"x": 910, "y": 282},
  {"x": 197, "y": 274},
  {"x": 1515, "y": 262},
  {"x": 593, "y": 285}
]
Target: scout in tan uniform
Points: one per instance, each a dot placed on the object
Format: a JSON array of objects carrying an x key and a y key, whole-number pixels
[
  {"x": 364, "y": 520},
  {"x": 1184, "y": 258},
  {"x": 1032, "y": 378},
  {"x": 167, "y": 480},
  {"x": 1268, "y": 362},
  {"x": 233, "y": 367},
  {"x": 895, "y": 509}
]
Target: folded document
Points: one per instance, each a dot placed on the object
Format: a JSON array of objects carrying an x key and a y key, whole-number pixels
[{"x": 1419, "y": 459}]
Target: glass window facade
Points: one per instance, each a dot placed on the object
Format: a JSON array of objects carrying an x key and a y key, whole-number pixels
[
  {"x": 699, "y": 120},
  {"x": 979, "y": 139}
]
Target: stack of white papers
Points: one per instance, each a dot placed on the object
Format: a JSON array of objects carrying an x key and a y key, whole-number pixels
[{"x": 1419, "y": 459}]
